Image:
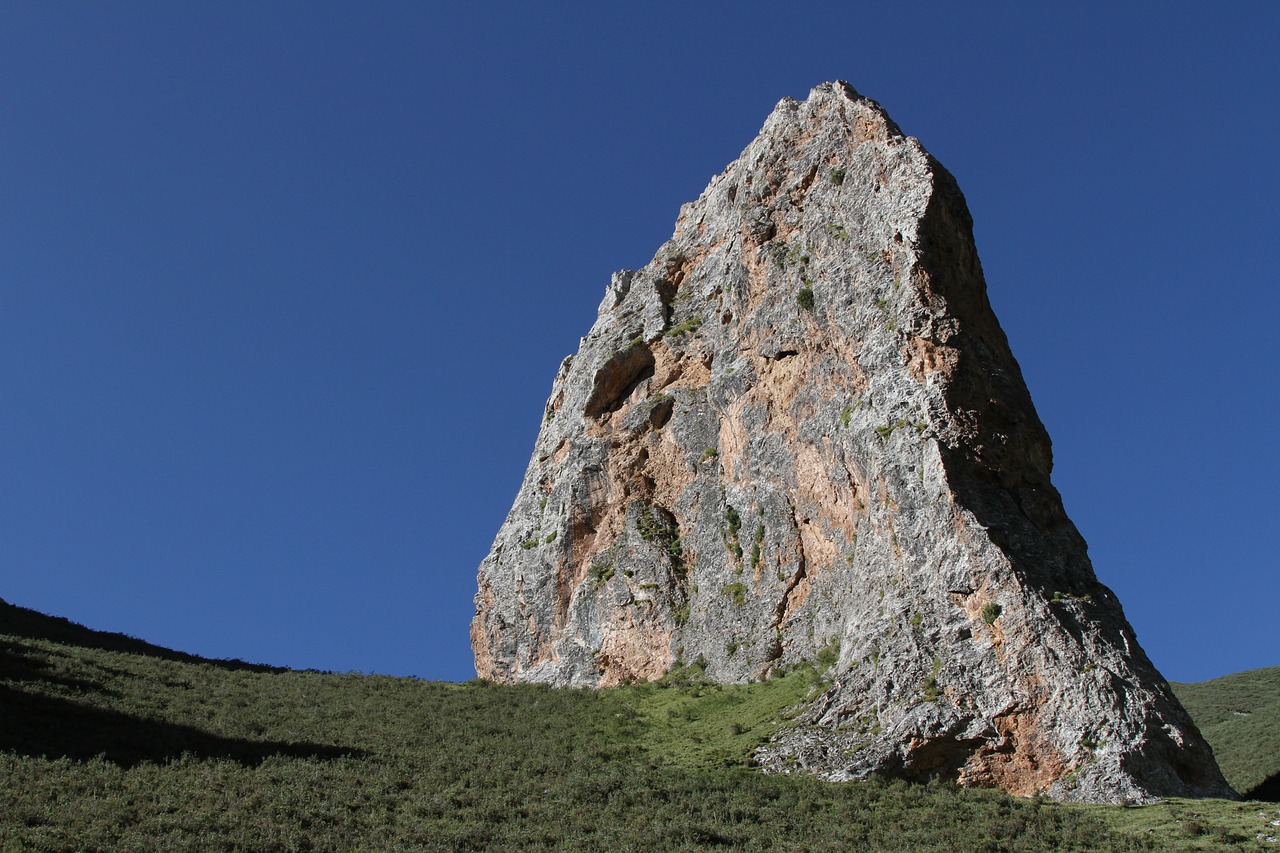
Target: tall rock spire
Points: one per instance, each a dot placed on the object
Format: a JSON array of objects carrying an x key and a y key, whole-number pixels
[{"x": 800, "y": 425}]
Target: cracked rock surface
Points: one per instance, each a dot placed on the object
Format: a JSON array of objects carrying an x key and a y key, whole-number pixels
[{"x": 801, "y": 425}]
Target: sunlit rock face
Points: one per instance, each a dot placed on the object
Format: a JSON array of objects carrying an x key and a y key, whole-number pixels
[{"x": 801, "y": 425}]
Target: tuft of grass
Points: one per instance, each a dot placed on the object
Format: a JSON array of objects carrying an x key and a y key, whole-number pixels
[
  {"x": 690, "y": 325},
  {"x": 828, "y": 656},
  {"x": 804, "y": 298},
  {"x": 757, "y": 543},
  {"x": 929, "y": 691},
  {"x": 735, "y": 592},
  {"x": 991, "y": 612},
  {"x": 660, "y": 527},
  {"x": 887, "y": 430},
  {"x": 602, "y": 572},
  {"x": 733, "y": 522}
]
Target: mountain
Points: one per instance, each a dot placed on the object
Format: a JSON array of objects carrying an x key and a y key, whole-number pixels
[{"x": 800, "y": 429}]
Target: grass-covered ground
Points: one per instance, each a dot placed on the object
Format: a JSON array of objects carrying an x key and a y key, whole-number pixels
[
  {"x": 1240, "y": 717},
  {"x": 108, "y": 743}
]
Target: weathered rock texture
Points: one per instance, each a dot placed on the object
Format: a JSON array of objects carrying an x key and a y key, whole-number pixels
[{"x": 801, "y": 425}]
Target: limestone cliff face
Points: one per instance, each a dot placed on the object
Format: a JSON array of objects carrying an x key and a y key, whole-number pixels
[{"x": 800, "y": 424}]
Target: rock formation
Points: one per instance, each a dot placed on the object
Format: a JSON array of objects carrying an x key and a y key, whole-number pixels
[{"x": 801, "y": 426}]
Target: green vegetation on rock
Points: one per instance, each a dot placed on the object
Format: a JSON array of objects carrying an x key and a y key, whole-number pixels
[
  {"x": 736, "y": 592},
  {"x": 734, "y": 523},
  {"x": 991, "y": 612},
  {"x": 690, "y": 325},
  {"x": 804, "y": 297}
]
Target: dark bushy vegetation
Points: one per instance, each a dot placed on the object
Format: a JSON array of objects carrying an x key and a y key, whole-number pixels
[
  {"x": 114, "y": 744},
  {"x": 804, "y": 296}
]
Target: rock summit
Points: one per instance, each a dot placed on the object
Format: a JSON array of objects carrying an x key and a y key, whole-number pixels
[{"x": 798, "y": 428}]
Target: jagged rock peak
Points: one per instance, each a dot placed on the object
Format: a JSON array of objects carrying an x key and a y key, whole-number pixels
[{"x": 800, "y": 425}]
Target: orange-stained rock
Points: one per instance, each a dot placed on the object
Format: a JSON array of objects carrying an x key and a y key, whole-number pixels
[{"x": 801, "y": 424}]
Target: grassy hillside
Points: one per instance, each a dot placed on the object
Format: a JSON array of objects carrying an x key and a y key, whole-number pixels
[
  {"x": 1240, "y": 717},
  {"x": 110, "y": 743}
]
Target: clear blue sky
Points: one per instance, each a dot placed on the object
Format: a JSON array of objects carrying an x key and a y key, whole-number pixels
[{"x": 283, "y": 286}]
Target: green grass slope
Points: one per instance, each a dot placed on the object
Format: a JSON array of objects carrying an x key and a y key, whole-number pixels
[
  {"x": 1240, "y": 717},
  {"x": 110, "y": 743}
]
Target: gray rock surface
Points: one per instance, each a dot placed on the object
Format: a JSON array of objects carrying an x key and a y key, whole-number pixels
[{"x": 801, "y": 425}]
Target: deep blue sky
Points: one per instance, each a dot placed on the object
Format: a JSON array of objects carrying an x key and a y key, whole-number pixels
[{"x": 283, "y": 286}]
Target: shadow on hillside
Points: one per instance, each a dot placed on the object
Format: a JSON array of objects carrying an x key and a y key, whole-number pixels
[
  {"x": 35, "y": 724},
  {"x": 1268, "y": 790},
  {"x": 21, "y": 622},
  {"x": 50, "y": 727},
  {"x": 21, "y": 663}
]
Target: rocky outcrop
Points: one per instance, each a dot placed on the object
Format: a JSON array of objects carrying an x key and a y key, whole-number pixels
[{"x": 799, "y": 426}]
